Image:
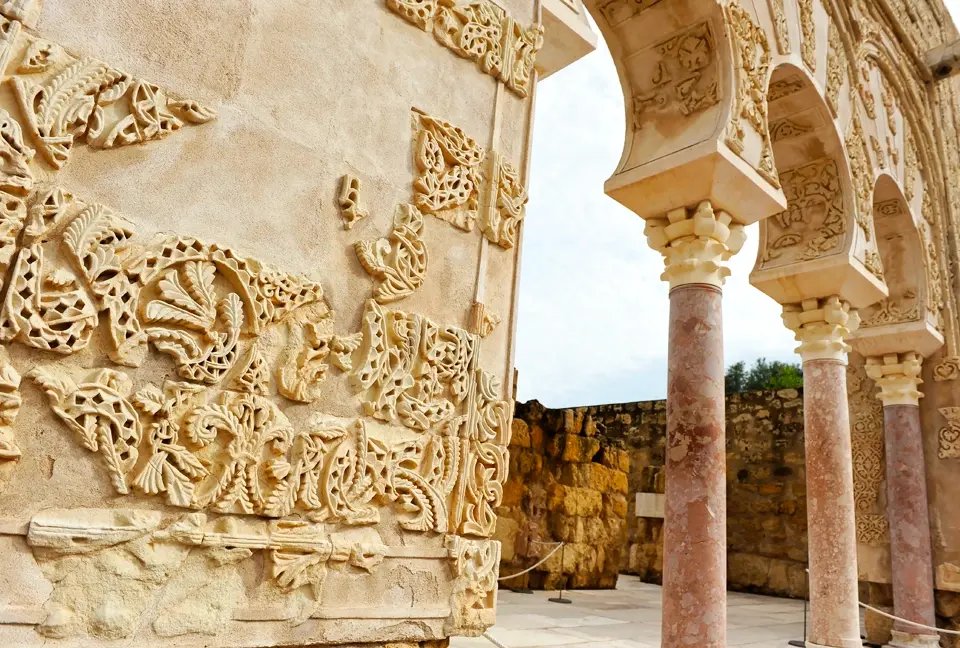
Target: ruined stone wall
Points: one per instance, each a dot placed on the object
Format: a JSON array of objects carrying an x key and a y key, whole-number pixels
[
  {"x": 571, "y": 468},
  {"x": 568, "y": 482}
]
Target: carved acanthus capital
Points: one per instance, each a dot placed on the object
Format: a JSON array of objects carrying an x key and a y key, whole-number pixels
[
  {"x": 821, "y": 326},
  {"x": 694, "y": 246},
  {"x": 898, "y": 377}
]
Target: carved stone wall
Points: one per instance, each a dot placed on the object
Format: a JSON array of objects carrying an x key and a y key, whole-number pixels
[{"x": 256, "y": 314}]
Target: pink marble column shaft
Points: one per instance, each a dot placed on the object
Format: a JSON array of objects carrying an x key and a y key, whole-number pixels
[
  {"x": 694, "y": 544},
  {"x": 831, "y": 533},
  {"x": 909, "y": 519}
]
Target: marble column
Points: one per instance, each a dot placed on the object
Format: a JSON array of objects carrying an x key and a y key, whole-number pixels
[
  {"x": 821, "y": 327},
  {"x": 898, "y": 377},
  {"x": 694, "y": 246}
]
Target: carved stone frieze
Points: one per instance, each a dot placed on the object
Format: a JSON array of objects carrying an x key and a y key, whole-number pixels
[
  {"x": 837, "y": 72},
  {"x": 894, "y": 310},
  {"x": 868, "y": 455},
  {"x": 787, "y": 128},
  {"x": 751, "y": 65},
  {"x": 685, "y": 78},
  {"x": 480, "y": 31},
  {"x": 862, "y": 171},
  {"x": 784, "y": 87}
]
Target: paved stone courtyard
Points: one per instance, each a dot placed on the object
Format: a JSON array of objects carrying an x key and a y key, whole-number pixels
[{"x": 628, "y": 617}]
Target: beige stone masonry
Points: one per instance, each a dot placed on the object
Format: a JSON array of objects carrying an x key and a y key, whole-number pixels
[
  {"x": 821, "y": 326},
  {"x": 898, "y": 377},
  {"x": 694, "y": 246}
]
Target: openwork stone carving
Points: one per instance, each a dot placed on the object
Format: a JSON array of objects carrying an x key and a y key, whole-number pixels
[
  {"x": 480, "y": 31},
  {"x": 752, "y": 64},
  {"x": 398, "y": 263},
  {"x": 694, "y": 245},
  {"x": 686, "y": 76},
  {"x": 821, "y": 326}
]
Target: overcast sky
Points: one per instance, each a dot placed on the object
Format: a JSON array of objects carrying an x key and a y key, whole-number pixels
[{"x": 593, "y": 312}]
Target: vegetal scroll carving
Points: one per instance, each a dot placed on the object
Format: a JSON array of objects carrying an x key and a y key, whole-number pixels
[
  {"x": 808, "y": 29},
  {"x": 949, "y": 446},
  {"x": 480, "y": 31},
  {"x": 476, "y": 566},
  {"x": 349, "y": 201},
  {"x": 67, "y": 99},
  {"x": 10, "y": 402},
  {"x": 398, "y": 263},
  {"x": 752, "y": 65}
]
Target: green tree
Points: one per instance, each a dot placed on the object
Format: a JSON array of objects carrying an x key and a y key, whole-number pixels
[{"x": 763, "y": 375}]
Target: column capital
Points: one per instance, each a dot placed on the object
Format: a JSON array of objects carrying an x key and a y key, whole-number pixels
[
  {"x": 821, "y": 326},
  {"x": 694, "y": 245},
  {"x": 897, "y": 376}
]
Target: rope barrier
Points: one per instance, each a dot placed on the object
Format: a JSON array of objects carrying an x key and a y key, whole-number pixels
[
  {"x": 493, "y": 641},
  {"x": 530, "y": 569},
  {"x": 913, "y": 623}
]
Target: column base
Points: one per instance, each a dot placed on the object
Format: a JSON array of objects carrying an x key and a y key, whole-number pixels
[
  {"x": 844, "y": 643},
  {"x": 910, "y": 640}
]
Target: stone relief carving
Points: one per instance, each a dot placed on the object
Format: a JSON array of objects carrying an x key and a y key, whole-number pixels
[
  {"x": 894, "y": 310},
  {"x": 349, "y": 201},
  {"x": 482, "y": 321},
  {"x": 780, "y": 29},
  {"x": 215, "y": 438},
  {"x": 685, "y": 78},
  {"x": 836, "y": 68},
  {"x": 788, "y": 128},
  {"x": 452, "y": 170},
  {"x": 949, "y": 447},
  {"x": 398, "y": 263},
  {"x": 862, "y": 171},
  {"x": 480, "y": 31},
  {"x": 752, "y": 64},
  {"x": 784, "y": 87},
  {"x": 619, "y": 11},
  {"x": 810, "y": 190},
  {"x": 67, "y": 99},
  {"x": 808, "y": 29},
  {"x": 868, "y": 455}
]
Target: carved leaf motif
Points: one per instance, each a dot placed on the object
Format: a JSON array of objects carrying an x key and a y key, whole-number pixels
[
  {"x": 399, "y": 263},
  {"x": 190, "y": 304}
]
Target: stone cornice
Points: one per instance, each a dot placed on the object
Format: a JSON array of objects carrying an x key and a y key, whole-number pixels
[
  {"x": 898, "y": 377},
  {"x": 821, "y": 326},
  {"x": 695, "y": 245}
]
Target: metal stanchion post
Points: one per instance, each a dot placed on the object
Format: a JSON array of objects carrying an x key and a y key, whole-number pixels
[
  {"x": 559, "y": 598},
  {"x": 798, "y": 642}
]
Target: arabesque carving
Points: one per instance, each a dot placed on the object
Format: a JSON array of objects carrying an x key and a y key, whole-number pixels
[
  {"x": 780, "y": 29},
  {"x": 398, "y": 263},
  {"x": 808, "y": 30},
  {"x": 685, "y": 79},
  {"x": 619, "y": 11},
  {"x": 349, "y": 201},
  {"x": 837, "y": 63},
  {"x": 480, "y": 31},
  {"x": 784, "y": 87},
  {"x": 476, "y": 566},
  {"x": 10, "y": 402},
  {"x": 752, "y": 65},
  {"x": 868, "y": 455},
  {"x": 949, "y": 442},
  {"x": 862, "y": 171}
]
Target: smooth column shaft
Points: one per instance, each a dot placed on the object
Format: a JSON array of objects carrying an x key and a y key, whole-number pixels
[
  {"x": 695, "y": 547},
  {"x": 832, "y": 538},
  {"x": 909, "y": 519}
]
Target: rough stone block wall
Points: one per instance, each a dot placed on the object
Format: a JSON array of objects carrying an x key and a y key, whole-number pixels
[
  {"x": 567, "y": 483},
  {"x": 575, "y": 473}
]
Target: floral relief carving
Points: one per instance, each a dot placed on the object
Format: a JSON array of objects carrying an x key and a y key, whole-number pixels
[
  {"x": 10, "y": 402},
  {"x": 871, "y": 261},
  {"x": 751, "y": 65},
  {"x": 868, "y": 454},
  {"x": 808, "y": 29},
  {"x": 862, "y": 172},
  {"x": 810, "y": 190},
  {"x": 685, "y": 78},
  {"x": 784, "y": 87},
  {"x": 480, "y": 31},
  {"x": 788, "y": 128},
  {"x": 398, "y": 263},
  {"x": 781, "y": 30},
  {"x": 836, "y": 67},
  {"x": 482, "y": 321},
  {"x": 893, "y": 310},
  {"x": 67, "y": 99},
  {"x": 949, "y": 442},
  {"x": 476, "y": 566}
]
